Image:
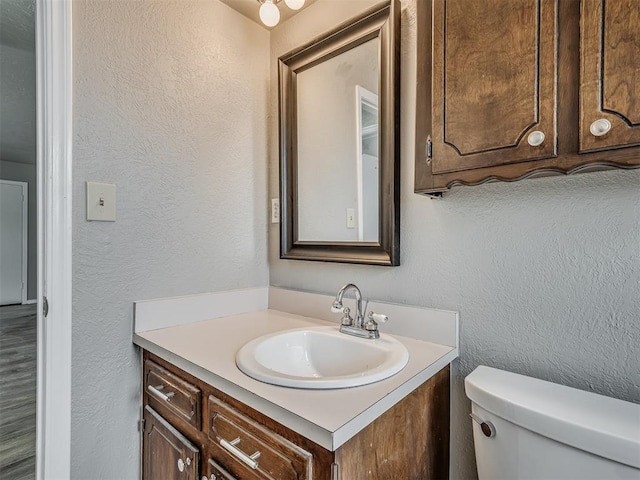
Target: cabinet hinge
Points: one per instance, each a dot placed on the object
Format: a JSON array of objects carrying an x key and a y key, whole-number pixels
[
  {"x": 45, "y": 306},
  {"x": 429, "y": 148},
  {"x": 141, "y": 425},
  {"x": 335, "y": 472}
]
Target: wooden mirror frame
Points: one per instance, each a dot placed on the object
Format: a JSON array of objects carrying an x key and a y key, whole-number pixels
[{"x": 383, "y": 22}]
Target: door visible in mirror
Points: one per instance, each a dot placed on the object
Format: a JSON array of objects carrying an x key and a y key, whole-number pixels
[{"x": 337, "y": 111}]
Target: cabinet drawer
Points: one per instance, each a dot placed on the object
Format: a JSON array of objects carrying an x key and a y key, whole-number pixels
[
  {"x": 170, "y": 394},
  {"x": 242, "y": 442}
]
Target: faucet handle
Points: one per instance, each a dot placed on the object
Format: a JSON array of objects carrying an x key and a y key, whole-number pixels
[
  {"x": 372, "y": 322},
  {"x": 346, "y": 318},
  {"x": 378, "y": 317}
]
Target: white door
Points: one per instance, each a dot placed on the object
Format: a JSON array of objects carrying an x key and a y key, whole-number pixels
[{"x": 13, "y": 242}]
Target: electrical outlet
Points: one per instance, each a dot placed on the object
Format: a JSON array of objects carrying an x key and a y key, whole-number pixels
[
  {"x": 351, "y": 221},
  {"x": 275, "y": 210}
]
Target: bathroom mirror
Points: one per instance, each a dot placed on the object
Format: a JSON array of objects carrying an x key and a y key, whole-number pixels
[{"x": 339, "y": 144}]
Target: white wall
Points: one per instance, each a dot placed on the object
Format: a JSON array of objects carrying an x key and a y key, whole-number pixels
[
  {"x": 18, "y": 100},
  {"x": 545, "y": 273},
  {"x": 18, "y": 134},
  {"x": 24, "y": 172},
  {"x": 170, "y": 104}
]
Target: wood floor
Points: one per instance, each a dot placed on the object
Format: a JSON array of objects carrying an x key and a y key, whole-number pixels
[{"x": 18, "y": 392}]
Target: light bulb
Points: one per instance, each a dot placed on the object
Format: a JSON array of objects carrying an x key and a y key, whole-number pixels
[
  {"x": 269, "y": 13},
  {"x": 294, "y": 4}
]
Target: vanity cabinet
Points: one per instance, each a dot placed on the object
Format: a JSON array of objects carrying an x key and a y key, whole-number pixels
[
  {"x": 230, "y": 440},
  {"x": 508, "y": 89}
]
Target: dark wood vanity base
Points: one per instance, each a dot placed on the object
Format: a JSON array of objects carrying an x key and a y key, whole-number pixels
[{"x": 190, "y": 430}]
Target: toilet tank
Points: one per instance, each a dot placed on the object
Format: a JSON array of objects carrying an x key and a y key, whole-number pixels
[{"x": 542, "y": 430}]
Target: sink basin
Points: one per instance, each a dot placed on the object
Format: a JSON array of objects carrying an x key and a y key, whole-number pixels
[{"x": 321, "y": 358}]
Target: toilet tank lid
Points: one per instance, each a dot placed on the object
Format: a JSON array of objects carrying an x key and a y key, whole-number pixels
[{"x": 605, "y": 426}]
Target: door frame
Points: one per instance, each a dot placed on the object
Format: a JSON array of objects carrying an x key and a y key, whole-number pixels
[
  {"x": 25, "y": 235},
  {"x": 54, "y": 144}
]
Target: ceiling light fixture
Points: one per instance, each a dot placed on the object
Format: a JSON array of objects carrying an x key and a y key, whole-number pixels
[
  {"x": 269, "y": 13},
  {"x": 294, "y": 4}
]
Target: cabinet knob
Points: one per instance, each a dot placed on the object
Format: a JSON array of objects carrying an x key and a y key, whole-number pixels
[
  {"x": 535, "y": 138},
  {"x": 600, "y": 127},
  {"x": 182, "y": 463}
]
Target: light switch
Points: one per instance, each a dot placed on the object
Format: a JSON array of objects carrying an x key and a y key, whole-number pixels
[{"x": 101, "y": 202}]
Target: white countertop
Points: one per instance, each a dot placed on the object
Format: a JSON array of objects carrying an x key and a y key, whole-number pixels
[{"x": 206, "y": 349}]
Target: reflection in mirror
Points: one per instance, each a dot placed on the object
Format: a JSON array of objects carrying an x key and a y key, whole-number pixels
[
  {"x": 339, "y": 150},
  {"x": 367, "y": 156},
  {"x": 335, "y": 147}
]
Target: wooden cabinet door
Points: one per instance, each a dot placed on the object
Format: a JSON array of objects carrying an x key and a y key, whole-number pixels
[
  {"x": 215, "y": 471},
  {"x": 494, "y": 82},
  {"x": 610, "y": 74},
  {"x": 167, "y": 454}
]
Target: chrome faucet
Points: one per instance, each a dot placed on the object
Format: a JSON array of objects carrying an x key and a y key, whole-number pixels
[
  {"x": 357, "y": 327},
  {"x": 337, "y": 306}
]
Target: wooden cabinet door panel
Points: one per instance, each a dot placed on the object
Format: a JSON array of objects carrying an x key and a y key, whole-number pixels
[
  {"x": 167, "y": 454},
  {"x": 494, "y": 71},
  {"x": 214, "y": 471},
  {"x": 610, "y": 73}
]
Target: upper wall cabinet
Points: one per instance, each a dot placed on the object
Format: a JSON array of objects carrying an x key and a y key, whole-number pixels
[
  {"x": 493, "y": 83},
  {"x": 512, "y": 88},
  {"x": 610, "y": 74}
]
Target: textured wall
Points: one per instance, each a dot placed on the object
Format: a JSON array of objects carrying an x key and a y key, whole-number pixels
[
  {"x": 170, "y": 104},
  {"x": 23, "y": 172},
  {"x": 545, "y": 273}
]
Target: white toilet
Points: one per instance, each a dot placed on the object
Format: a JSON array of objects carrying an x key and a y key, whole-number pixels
[{"x": 524, "y": 428}]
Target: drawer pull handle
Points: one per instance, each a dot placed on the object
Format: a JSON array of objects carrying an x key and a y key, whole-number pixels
[
  {"x": 236, "y": 452},
  {"x": 156, "y": 392}
]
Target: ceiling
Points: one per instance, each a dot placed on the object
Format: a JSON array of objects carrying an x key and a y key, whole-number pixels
[
  {"x": 250, "y": 8},
  {"x": 17, "y": 24}
]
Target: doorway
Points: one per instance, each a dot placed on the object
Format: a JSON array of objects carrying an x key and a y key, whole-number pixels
[
  {"x": 13, "y": 242},
  {"x": 35, "y": 37},
  {"x": 18, "y": 239}
]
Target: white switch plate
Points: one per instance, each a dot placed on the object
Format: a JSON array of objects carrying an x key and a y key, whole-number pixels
[
  {"x": 351, "y": 222},
  {"x": 101, "y": 202},
  {"x": 275, "y": 210}
]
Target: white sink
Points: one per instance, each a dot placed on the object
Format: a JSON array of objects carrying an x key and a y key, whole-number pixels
[{"x": 321, "y": 358}]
